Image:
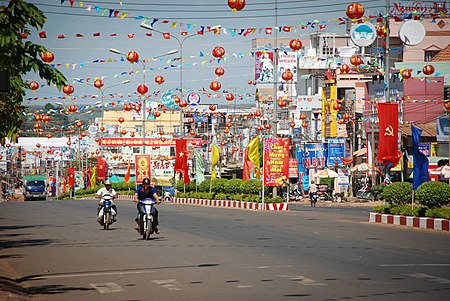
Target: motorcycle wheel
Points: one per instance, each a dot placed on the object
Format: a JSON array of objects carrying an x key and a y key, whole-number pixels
[
  {"x": 106, "y": 221},
  {"x": 148, "y": 228}
]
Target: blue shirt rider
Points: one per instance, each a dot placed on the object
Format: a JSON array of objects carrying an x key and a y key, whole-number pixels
[{"x": 146, "y": 191}]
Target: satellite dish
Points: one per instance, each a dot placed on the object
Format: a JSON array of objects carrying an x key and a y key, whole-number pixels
[{"x": 412, "y": 32}]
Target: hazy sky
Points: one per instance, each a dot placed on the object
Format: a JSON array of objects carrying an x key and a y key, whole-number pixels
[{"x": 76, "y": 55}]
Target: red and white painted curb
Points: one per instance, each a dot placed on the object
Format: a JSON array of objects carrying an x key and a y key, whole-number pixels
[
  {"x": 232, "y": 204},
  {"x": 441, "y": 224}
]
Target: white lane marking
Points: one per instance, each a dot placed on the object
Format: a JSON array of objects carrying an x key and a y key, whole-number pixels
[
  {"x": 302, "y": 280},
  {"x": 430, "y": 278},
  {"x": 170, "y": 284},
  {"x": 89, "y": 274},
  {"x": 243, "y": 286},
  {"x": 416, "y": 265},
  {"x": 107, "y": 287}
]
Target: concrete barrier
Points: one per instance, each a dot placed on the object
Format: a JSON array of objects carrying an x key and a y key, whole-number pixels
[{"x": 440, "y": 224}]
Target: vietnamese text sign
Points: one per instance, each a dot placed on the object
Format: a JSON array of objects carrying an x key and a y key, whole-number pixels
[
  {"x": 314, "y": 155},
  {"x": 142, "y": 168},
  {"x": 293, "y": 168},
  {"x": 276, "y": 161},
  {"x": 336, "y": 150}
]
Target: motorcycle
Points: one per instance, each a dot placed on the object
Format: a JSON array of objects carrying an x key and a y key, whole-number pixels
[
  {"x": 107, "y": 211},
  {"x": 313, "y": 199},
  {"x": 146, "y": 225}
]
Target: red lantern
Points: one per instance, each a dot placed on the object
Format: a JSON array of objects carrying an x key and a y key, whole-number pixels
[
  {"x": 123, "y": 132},
  {"x": 228, "y": 124},
  {"x": 127, "y": 107},
  {"x": 355, "y": 11},
  {"x": 47, "y": 56},
  {"x": 337, "y": 106},
  {"x": 49, "y": 135},
  {"x": 83, "y": 134},
  {"x": 236, "y": 5},
  {"x": 303, "y": 116},
  {"x": 287, "y": 75},
  {"x": 295, "y": 44},
  {"x": 142, "y": 89},
  {"x": 219, "y": 71},
  {"x": 79, "y": 123},
  {"x": 381, "y": 31},
  {"x": 282, "y": 103},
  {"x": 183, "y": 104},
  {"x": 68, "y": 143},
  {"x": 33, "y": 86},
  {"x": 229, "y": 96},
  {"x": 250, "y": 82},
  {"x": 218, "y": 51},
  {"x": 345, "y": 69},
  {"x": 212, "y": 108},
  {"x": 37, "y": 126},
  {"x": 98, "y": 83},
  {"x": 356, "y": 60},
  {"x": 258, "y": 113},
  {"x": 304, "y": 124},
  {"x": 292, "y": 124},
  {"x": 121, "y": 119},
  {"x": 176, "y": 99},
  {"x": 226, "y": 131},
  {"x": 132, "y": 134},
  {"x": 68, "y": 89},
  {"x": 190, "y": 120},
  {"x": 72, "y": 109},
  {"x": 192, "y": 133},
  {"x": 157, "y": 114},
  {"x": 407, "y": 73},
  {"x": 137, "y": 108},
  {"x": 132, "y": 57},
  {"x": 159, "y": 79},
  {"x": 428, "y": 69},
  {"x": 102, "y": 128},
  {"x": 267, "y": 126},
  {"x": 46, "y": 118},
  {"x": 40, "y": 134},
  {"x": 214, "y": 85},
  {"x": 38, "y": 145}
]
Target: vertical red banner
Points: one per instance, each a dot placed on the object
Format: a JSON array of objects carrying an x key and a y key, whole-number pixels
[
  {"x": 102, "y": 168},
  {"x": 388, "y": 147},
  {"x": 71, "y": 174},
  {"x": 142, "y": 168},
  {"x": 276, "y": 161}
]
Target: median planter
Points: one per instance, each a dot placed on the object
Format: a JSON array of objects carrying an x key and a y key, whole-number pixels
[
  {"x": 232, "y": 204},
  {"x": 440, "y": 224}
]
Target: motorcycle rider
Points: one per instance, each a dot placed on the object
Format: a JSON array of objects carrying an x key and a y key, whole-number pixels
[
  {"x": 100, "y": 193},
  {"x": 146, "y": 191}
]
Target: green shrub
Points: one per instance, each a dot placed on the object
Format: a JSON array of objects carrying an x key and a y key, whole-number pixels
[
  {"x": 377, "y": 191},
  {"x": 233, "y": 186},
  {"x": 408, "y": 210},
  {"x": 328, "y": 181},
  {"x": 433, "y": 194},
  {"x": 251, "y": 186},
  {"x": 438, "y": 212},
  {"x": 384, "y": 209},
  {"x": 277, "y": 199},
  {"x": 220, "y": 196},
  {"x": 398, "y": 193},
  {"x": 204, "y": 186},
  {"x": 218, "y": 185}
]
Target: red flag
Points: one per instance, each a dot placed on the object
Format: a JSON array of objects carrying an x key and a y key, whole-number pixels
[
  {"x": 388, "y": 147},
  {"x": 126, "y": 179},
  {"x": 181, "y": 159},
  {"x": 96, "y": 34},
  {"x": 43, "y": 35},
  {"x": 101, "y": 168},
  {"x": 71, "y": 174}
]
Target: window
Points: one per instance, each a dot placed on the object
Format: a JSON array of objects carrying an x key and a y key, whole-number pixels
[
  {"x": 176, "y": 129},
  {"x": 430, "y": 54}
]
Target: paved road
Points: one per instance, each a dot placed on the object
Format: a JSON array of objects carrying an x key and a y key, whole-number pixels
[{"x": 56, "y": 251}]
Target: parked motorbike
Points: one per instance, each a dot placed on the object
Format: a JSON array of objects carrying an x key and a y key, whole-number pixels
[
  {"x": 107, "y": 211},
  {"x": 146, "y": 223}
]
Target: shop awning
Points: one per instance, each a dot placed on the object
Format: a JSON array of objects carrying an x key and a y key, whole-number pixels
[{"x": 360, "y": 152}]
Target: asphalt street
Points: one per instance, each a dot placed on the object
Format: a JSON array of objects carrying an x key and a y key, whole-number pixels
[{"x": 55, "y": 250}]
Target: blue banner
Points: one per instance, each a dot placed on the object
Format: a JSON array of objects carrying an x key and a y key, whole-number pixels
[
  {"x": 336, "y": 149},
  {"x": 314, "y": 155}
]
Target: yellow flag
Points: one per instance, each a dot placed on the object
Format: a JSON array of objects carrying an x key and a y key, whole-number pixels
[
  {"x": 215, "y": 155},
  {"x": 93, "y": 178},
  {"x": 213, "y": 175},
  {"x": 253, "y": 154}
]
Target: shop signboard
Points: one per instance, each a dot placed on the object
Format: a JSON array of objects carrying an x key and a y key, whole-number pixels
[
  {"x": 276, "y": 161},
  {"x": 314, "y": 155},
  {"x": 336, "y": 150}
]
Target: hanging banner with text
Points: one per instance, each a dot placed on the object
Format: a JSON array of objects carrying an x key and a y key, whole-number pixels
[
  {"x": 314, "y": 155},
  {"x": 142, "y": 168},
  {"x": 336, "y": 150},
  {"x": 276, "y": 161}
]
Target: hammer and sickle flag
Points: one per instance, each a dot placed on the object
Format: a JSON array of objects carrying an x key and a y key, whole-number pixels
[{"x": 388, "y": 146}]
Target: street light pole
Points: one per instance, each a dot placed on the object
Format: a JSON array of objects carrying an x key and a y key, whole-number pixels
[
  {"x": 144, "y": 63},
  {"x": 180, "y": 45}
]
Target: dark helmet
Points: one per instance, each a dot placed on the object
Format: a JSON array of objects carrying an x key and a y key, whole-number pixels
[
  {"x": 146, "y": 181},
  {"x": 107, "y": 182}
]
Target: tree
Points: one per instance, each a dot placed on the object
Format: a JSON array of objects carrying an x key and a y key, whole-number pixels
[{"x": 17, "y": 58}]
